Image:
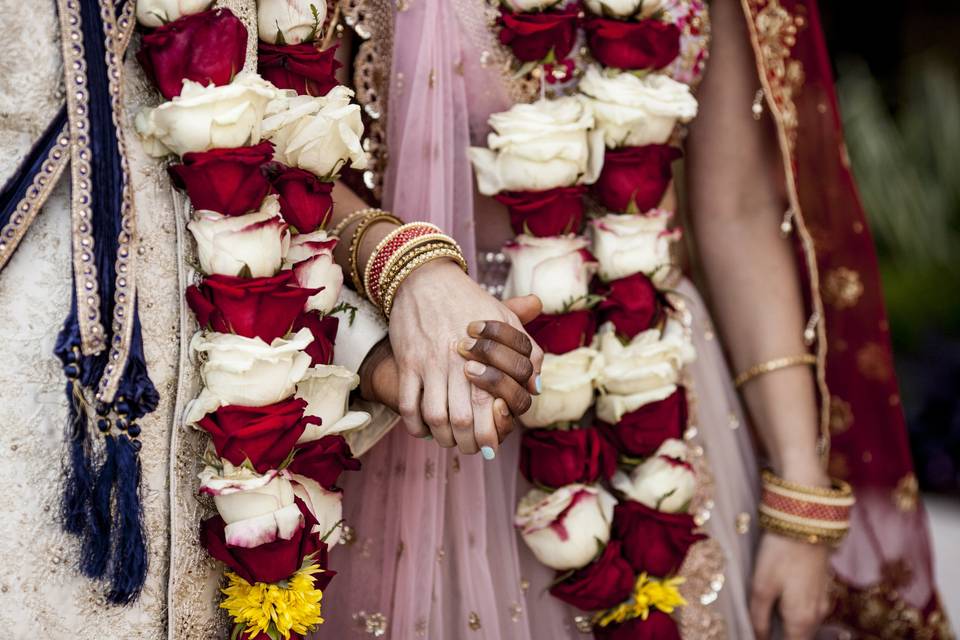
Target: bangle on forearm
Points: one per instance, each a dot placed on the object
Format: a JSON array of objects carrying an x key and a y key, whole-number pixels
[
  {"x": 811, "y": 514},
  {"x": 367, "y": 221},
  {"x": 417, "y": 258},
  {"x": 773, "y": 365},
  {"x": 392, "y": 246},
  {"x": 350, "y": 219}
]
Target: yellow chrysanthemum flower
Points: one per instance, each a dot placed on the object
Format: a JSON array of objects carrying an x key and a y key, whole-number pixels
[
  {"x": 258, "y": 607},
  {"x": 648, "y": 593}
]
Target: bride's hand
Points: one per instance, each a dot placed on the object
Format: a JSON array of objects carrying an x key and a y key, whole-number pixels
[{"x": 432, "y": 308}]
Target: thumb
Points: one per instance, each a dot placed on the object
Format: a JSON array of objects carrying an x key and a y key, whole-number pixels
[{"x": 526, "y": 307}]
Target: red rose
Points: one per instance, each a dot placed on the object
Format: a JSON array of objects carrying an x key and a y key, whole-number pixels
[
  {"x": 273, "y": 561},
  {"x": 555, "y": 458},
  {"x": 208, "y": 47},
  {"x": 657, "y": 626},
  {"x": 228, "y": 181},
  {"x": 534, "y": 36},
  {"x": 305, "y": 200},
  {"x": 653, "y": 541},
  {"x": 639, "y": 433},
  {"x": 632, "y": 304},
  {"x": 324, "y": 460},
  {"x": 324, "y": 330},
  {"x": 264, "y": 435},
  {"x": 636, "y": 176},
  {"x": 251, "y": 307},
  {"x": 554, "y": 212},
  {"x": 301, "y": 67},
  {"x": 602, "y": 584},
  {"x": 562, "y": 332},
  {"x": 647, "y": 44}
]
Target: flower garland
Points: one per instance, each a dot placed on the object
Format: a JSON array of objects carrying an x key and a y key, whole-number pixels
[
  {"x": 258, "y": 155},
  {"x": 609, "y": 510}
]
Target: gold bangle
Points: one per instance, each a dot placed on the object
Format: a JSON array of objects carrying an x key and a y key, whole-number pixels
[
  {"x": 773, "y": 365},
  {"x": 419, "y": 245},
  {"x": 838, "y": 489},
  {"x": 388, "y": 279},
  {"x": 368, "y": 221},
  {"x": 413, "y": 265},
  {"x": 350, "y": 219},
  {"x": 382, "y": 245},
  {"x": 804, "y": 533}
]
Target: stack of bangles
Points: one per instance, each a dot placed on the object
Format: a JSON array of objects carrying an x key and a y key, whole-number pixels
[
  {"x": 399, "y": 254},
  {"x": 811, "y": 514}
]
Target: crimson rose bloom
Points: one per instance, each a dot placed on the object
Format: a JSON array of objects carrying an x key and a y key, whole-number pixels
[
  {"x": 271, "y": 562},
  {"x": 532, "y": 36},
  {"x": 555, "y": 458},
  {"x": 635, "y": 174},
  {"x": 562, "y": 332},
  {"x": 301, "y": 67},
  {"x": 640, "y": 432},
  {"x": 657, "y": 626},
  {"x": 653, "y": 541},
  {"x": 253, "y": 307},
  {"x": 324, "y": 330},
  {"x": 604, "y": 583},
  {"x": 228, "y": 181},
  {"x": 632, "y": 304},
  {"x": 305, "y": 201},
  {"x": 264, "y": 435},
  {"x": 647, "y": 44},
  {"x": 554, "y": 212},
  {"x": 208, "y": 47},
  {"x": 324, "y": 460}
]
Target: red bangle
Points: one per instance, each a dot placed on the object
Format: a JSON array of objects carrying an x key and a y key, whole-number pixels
[{"x": 390, "y": 245}]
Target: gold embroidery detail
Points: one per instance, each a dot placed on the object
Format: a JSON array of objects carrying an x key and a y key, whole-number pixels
[
  {"x": 420, "y": 627},
  {"x": 777, "y": 31},
  {"x": 702, "y": 570},
  {"x": 373, "y": 624},
  {"x": 873, "y": 361},
  {"x": 515, "y": 611},
  {"x": 907, "y": 493},
  {"x": 473, "y": 621},
  {"x": 743, "y": 523},
  {"x": 842, "y": 288},
  {"x": 841, "y": 415},
  {"x": 880, "y": 613},
  {"x": 430, "y": 469}
]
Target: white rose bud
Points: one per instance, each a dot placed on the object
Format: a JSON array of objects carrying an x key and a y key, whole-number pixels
[
  {"x": 557, "y": 270},
  {"x": 311, "y": 258},
  {"x": 247, "y": 371},
  {"x": 290, "y": 21},
  {"x": 256, "y": 508},
  {"x": 327, "y": 390},
  {"x": 539, "y": 146},
  {"x": 325, "y": 506},
  {"x": 625, "y": 8},
  {"x": 665, "y": 481},
  {"x": 318, "y": 134},
  {"x": 627, "y": 244},
  {"x": 565, "y": 529},
  {"x": 633, "y": 111},
  {"x": 203, "y": 118},
  {"x": 156, "y": 13},
  {"x": 227, "y": 244},
  {"x": 567, "y": 388}
]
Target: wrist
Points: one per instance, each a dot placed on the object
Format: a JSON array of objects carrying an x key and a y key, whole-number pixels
[
  {"x": 801, "y": 467},
  {"x": 373, "y": 370}
]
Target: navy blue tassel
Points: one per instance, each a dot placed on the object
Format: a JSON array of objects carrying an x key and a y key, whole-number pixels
[
  {"x": 95, "y": 552},
  {"x": 129, "y": 570},
  {"x": 136, "y": 388},
  {"x": 78, "y": 482}
]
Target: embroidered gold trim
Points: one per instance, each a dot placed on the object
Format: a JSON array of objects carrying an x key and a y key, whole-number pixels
[
  {"x": 773, "y": 34},
  {"x": 880, "y": 613},
  {"x": 85, "y": 271},
  {"x": 29, "y": 207}
]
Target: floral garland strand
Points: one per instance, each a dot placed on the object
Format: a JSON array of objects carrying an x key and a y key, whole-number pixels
[
  {"x": 257, "y": 160},
  {"x": 616, "y": 559}
]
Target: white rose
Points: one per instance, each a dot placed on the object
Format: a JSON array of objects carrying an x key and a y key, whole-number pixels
[
  {"x": 626, "y": 244},
  {"x": 557, "y": 270},
  {"x": 203, "y": 118},
  {"x": 634, "y": 111},
  {"x": 665, "y": 481},
  {"x": 326, "y": 389},
  {"x": 256, "y": 508},
  {"x": 227, "y": 244},
  {"x": 247, "y": 371},
  {"x": 290, "y": 21},
  {"x": 326, "y": 506},
  {"x": 156, "y": 13},
  {"x": 539, "y": 146},
  {"x": 565, "y": 529},
  {"x": 311, "y": 258},
  {"x": 625, "y": 8},
  {"x": 531, "y": 5},
  {"x": 317, "y": 134},
  {"x": 567, "y": 388}
]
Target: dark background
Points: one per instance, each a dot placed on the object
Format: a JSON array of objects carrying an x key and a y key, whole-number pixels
[{"x": 898, "y": 79}]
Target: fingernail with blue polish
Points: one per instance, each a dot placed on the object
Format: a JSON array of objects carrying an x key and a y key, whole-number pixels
[
  {"x": 538, "y": 383},
  {"x": 488, "y": 453}
]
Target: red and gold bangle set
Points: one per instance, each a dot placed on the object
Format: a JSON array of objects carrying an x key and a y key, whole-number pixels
[{"x": 812, "y": 514}]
